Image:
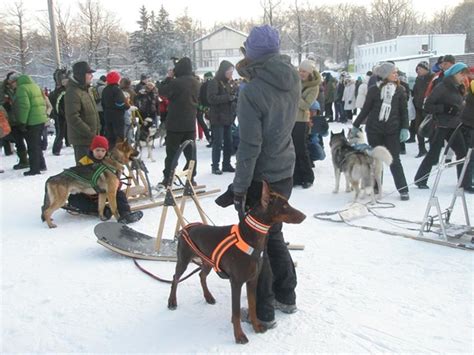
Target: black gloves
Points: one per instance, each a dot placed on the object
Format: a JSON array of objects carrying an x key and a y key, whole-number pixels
[
  {"x": 239, "y": 205},
  {"x": 451, "y": 110}
]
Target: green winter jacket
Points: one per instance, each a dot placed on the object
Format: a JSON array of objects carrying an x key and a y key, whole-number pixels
[
  {"x": 309, "y": 93},
  {"x": 28, "y": 102},
  {"x": 81, "y": 114}
]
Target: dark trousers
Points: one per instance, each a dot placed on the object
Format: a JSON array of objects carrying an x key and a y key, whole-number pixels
[
  {"x": 420, "y": 139},
  {"x": 277, "y": 278},
  {"x": 102, "y": 123},
  {"x": 328, "y": 111},
  {"x": 348, "y": 114},
  {"x": 340, "y": 113},
  {"x": 221, "y": 141},
  {"x": 432, "y": 158},
  {"x": 203, "y": 125},
  {"x": 19, "y": 138},
  {"x": 35, "y": 152},
  {"x": 303, "y": 168},
  {"x": 80, "y": 151},
  {"x": 114, "y": 129},
  {"x": 6, "y": 144},
  {"x": 60, "y": 125},
  {"x": 173, "y": 141},
  {"x": 392, "y": 143},
  {"x": 90, "y": 203}
]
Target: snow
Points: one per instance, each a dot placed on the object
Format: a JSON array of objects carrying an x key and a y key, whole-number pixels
[{"x": 358, "y": 291}]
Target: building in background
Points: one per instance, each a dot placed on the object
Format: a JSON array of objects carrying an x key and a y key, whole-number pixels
[
  {"x": 407, "y": 51},
  {"x": 210, "y": 50}
]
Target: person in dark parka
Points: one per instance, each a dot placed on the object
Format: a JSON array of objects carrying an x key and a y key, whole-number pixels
[
  {"x": 386, "y": 111},
  {"x": 222, "y": 99},
  {"x": 421, "y": 84},
  {"x": 446, "y": 103},
  {"x": 81, "y": 112},
  {"x": 114, "y": 105},
  {"x": 266, "y": 110},
  {"x": 182, "y": 90}
]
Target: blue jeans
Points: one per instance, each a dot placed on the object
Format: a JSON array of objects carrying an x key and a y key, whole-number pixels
[{"x": 221, "y": 140}]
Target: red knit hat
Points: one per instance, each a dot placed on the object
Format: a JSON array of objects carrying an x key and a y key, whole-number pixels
[
  {"x": 113, "y": 77},
  {"x": 99, "y": 142}
]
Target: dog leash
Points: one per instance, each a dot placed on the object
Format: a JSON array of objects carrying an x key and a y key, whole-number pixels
[{"x": 141, "y": 268}]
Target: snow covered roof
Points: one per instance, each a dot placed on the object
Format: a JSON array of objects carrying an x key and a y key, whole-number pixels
[{"x": 220, "y": 29}]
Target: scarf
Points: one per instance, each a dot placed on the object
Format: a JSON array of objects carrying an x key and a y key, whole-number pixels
[{"x": 386, "y": 94}]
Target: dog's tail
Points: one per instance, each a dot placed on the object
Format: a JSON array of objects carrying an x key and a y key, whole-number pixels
[
  {"x": 382, "y": 154},
  {"x": 46, "y": 201}
]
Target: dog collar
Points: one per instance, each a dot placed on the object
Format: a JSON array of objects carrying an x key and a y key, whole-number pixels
[{"x": 256, "y": 225}]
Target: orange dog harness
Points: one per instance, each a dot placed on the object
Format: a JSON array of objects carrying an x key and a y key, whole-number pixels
[{"x": 234, "y": 238}]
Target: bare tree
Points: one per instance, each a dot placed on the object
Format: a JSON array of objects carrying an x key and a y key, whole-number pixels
[
  {"x": 91, "y": 27},
  {"x": 15, "y": 44},
  {"x": 462, "y": 21},
  {"x": 392, "y": 18},
  {"x": 269, "y": 10}
]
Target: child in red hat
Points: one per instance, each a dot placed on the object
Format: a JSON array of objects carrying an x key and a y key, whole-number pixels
[{"x": 84, "y": 203}]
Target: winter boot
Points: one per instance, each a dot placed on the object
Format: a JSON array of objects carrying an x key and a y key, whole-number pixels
[
  {"x": 285, "y": 308},
  {"x": 131, "y": 217},
  {"x": 244, "y": 317},
  {"x": 23, "y": 163},
  {"x": 228, "y": 168}
]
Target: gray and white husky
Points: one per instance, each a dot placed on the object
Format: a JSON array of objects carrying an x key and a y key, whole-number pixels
[{"x": 361, "y": 167}]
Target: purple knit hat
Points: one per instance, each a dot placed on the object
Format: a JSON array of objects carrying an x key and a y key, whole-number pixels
[{"x": 261, "y": 41}]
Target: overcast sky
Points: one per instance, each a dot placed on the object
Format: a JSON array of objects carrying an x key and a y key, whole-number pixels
[{"x": 207, "y": 11}]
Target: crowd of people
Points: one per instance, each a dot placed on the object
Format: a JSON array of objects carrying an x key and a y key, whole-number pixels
[{"x": 282, "y": 113}]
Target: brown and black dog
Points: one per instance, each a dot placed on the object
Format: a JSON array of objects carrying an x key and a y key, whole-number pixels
[
  {"x": 60, "y": 186},
  {"x": 235, "y": 252}
]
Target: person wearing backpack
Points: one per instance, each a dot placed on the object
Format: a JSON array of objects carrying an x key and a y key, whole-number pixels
[
  {"x": 97, "y": 95},
  {"x": 203, "y": 108}
]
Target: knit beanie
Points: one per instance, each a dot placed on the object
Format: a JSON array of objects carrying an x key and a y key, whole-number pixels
[
  {"x": 308, "y": 66},
  {"x": 261, "y": 41},
  {"x": 456, "y": 68},
  {"x": 423, "y": 64},
  {"x": 384, "y": 70},
  {"x": 99, "y": 142},
  {"x": 113, "y": 77}
]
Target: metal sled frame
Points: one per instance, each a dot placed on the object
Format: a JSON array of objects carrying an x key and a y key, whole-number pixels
[{"x": 447, "y": 229}]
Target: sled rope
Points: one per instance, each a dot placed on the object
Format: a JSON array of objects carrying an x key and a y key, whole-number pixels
[{"x": 141, "y": 268}]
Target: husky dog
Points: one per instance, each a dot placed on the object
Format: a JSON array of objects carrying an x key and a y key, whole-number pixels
[
  {"x": 380, "y": 154},
  {"x": 146, "y": 136},
  {"x": 358, "y": 167}
]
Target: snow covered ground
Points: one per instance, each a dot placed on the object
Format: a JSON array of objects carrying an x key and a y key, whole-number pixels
[{"x": 358, "y": 291}]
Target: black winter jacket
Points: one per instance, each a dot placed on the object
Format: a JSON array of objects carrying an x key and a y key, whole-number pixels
[
  {"x": 397, "y": 119},
  {"x": 421, "y": 84},
  {"x": 221, "y": 97},
  {"x": 445, "y": 103},
  {"x": 183, "y": 95},
  {"x": 113, "y": 102},
  {"x": 467, "y": 115}
]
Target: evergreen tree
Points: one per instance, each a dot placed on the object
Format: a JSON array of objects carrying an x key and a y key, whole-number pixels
[
  {"x": 141, "y": 43},
  {"x": 164, "y": 42}
]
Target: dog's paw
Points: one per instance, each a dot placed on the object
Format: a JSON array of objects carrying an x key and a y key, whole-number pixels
[
  {"x": 241, "y": 339},
  {"x": 259, "y": 327},
  {"x": 210, "y": 299},
  {"x": 52, "y": 225},
  {"x": 172, "y": 305}
]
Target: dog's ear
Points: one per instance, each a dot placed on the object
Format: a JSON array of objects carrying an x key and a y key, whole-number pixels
[{"x": 265, "y": 199}]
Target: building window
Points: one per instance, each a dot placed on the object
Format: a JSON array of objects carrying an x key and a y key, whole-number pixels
[
  {"x": 424, "y": 47},
  {"x": 206, "y": 54},
  {"x": 229, "y": 52}
]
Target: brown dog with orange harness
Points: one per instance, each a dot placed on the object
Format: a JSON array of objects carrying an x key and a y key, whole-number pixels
[{"x": 234, "y": 252}]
